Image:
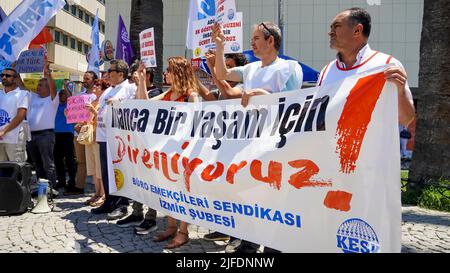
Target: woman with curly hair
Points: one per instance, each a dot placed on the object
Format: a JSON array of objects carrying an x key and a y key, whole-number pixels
[{"x": 180, "y": 75}]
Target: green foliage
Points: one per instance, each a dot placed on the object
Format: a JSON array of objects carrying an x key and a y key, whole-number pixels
[{"x": 436, "y": 197}]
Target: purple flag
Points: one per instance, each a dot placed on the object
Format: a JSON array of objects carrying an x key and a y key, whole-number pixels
[{"x": 124, "y": 50}]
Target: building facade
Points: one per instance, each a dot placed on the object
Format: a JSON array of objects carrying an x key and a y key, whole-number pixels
[
  {"x": 71, "y": 29},
  {"x": 396, "y": 27}
]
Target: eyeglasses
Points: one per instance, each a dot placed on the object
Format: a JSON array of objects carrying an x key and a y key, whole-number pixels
[
  {"x": 6, "y": 75},
  {"x": 112, "y": 70},
  {"x": 266, "y": 28}
]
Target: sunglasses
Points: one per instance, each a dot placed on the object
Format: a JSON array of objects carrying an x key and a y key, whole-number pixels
[
  {"x": 266, "y": 28},
  {"x": 6, "y": 75},
  {"x": 112, "y": 70}
]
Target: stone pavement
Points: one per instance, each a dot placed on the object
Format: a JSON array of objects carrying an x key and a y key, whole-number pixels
[{"x": 75, "y": 230}]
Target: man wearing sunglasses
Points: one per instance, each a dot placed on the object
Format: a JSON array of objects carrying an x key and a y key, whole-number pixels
[
  {"x": 13, "y": 110},
  {"x": 270, "y": 75},
  {"x": 120, "y": 89}
]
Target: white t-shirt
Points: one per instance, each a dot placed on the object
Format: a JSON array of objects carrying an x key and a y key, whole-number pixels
[
  {"x": 9, "y": 104},
  {"x": 365, "y": 60},
  {"x": 281, "y": 75},
  {"x": 42, "y": 111},
  {"x": 121, "y": 91}
]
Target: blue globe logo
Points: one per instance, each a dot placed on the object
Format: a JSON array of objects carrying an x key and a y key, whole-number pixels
[
  {"x": 4, "y": 117},
  {"x": 235, "y": 47},
  {"x": 357, "y": 236},
  {"x": 230, "y": 14}
]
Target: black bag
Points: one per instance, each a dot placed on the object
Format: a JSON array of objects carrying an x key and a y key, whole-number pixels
[
  {"x": 15, "y": 188},
  {"x": 405, "y": 134}
]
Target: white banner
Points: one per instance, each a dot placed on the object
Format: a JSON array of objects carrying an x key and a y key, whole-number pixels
[
  {"x": 24, "y": 23},
  {"x": 225, "y": 11},
  {"x": 315, "y": 170},
  {"x": 147, "y": 43},
  {"x": 202, "y": 40}
]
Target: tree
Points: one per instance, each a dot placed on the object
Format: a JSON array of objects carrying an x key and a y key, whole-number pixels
[
  {"x": 431, "y": 158},
  {"x": 146, "y": 14}
]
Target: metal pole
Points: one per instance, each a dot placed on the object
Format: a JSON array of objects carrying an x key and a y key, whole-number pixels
[{"x": 281, "y": 23}]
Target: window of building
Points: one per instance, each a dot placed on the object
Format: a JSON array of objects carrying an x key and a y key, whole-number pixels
[
  {"x": 66, "y": 7},
  {"x": 73, "y": 10},
  {"x": 72, "y": 43},
  {"x": 102, "y": 28},
  {"x": 86, "y": 49},
  {"x": 80, "y": 14},
  {"x": 57, "y": 36},
  {"x": 65, "y": 39},
  {"x": 80, "y": 46},
  {"x": 92, "y": 21},
  {"x": 87, "y": 18}
]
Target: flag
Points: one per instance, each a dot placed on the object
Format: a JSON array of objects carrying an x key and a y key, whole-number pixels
[
  {"x": 94, "y": 55},
  {"x": 42, "y": 38},
  {"x": 24, "y": 23},
  {"x": 124, "y": 50},
  {"x": 198, "y": 9},
  {"x": 2, "y": 15}
]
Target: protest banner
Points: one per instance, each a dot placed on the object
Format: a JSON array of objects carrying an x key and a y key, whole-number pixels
[
  {"x": 4, "y": 64},
  {"x": 315, "y": 170},
  {"x": 147, "y": 44},
  {"x": 225, "y": 11},
  {"x": 31, "y": 61},
  {"x": 76, "y": 109},
  {"x": 24, "y": 23},
  {"x": 202, "y": 39}
]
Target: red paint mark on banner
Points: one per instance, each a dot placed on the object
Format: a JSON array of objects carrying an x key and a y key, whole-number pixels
[
  {"x": 206, "y": 174},
  {"x": 233, "y": 169},
  {"x": 274, "y": 173},
  {"x": 302, "y": 178},
  {"x": 355, "y": 118},
  {"x": 339, "y": 200}
]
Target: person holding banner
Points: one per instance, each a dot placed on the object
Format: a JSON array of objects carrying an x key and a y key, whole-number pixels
[
  {"x": 93, "y": 150},
  {"x": 13, "y": 110},
  {"x": 88, "y": 83},
  {"x": 120, "y": 89},
  {"x": 180, "y": 75},
  {"x": 41, "y": 119},
  {"x": 349, "y": 34},
  {"x": 145, "y": 224},
  {"x": 270, "y": 75}
]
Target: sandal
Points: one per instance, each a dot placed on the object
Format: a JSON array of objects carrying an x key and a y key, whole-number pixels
[
  {"x": 168, "y": 233},
  {"x": 100, "y": 200},
  {"x": 91, "y": 200},
  {"x": 177, "y": 243}
]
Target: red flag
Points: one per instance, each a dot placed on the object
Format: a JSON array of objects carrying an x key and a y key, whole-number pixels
[{"x": 42, "y": 38}]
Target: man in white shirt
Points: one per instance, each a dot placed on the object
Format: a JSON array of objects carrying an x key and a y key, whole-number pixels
[
  {"x": 349, "y": 35},
  {"x": 120, "y": 89},
  {"x": 41, "y": 119},
  {"x": 13, "y": 110},
  {"x": 271, "y": 74}
]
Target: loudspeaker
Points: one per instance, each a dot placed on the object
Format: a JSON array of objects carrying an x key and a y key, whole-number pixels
[{"x": 15, "y": 192}]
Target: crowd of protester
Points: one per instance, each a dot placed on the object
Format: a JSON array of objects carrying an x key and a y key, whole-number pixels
[{"x": 38, "y": 126}]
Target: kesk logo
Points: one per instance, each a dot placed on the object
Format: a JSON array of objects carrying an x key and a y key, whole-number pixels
[
  {"x": 119, "y": 179},
  {"x": 230, "y": 14},
  {"x": 235, "y": 47},
  {"x": 357, "y": 236},
  {"x": 4, "y": 117}
]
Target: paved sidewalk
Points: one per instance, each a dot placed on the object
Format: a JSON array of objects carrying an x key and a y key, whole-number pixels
[{"x": 76, "y": 230}]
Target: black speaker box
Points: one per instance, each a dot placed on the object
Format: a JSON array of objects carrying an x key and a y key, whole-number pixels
[{"x": 15, "y": 192}]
